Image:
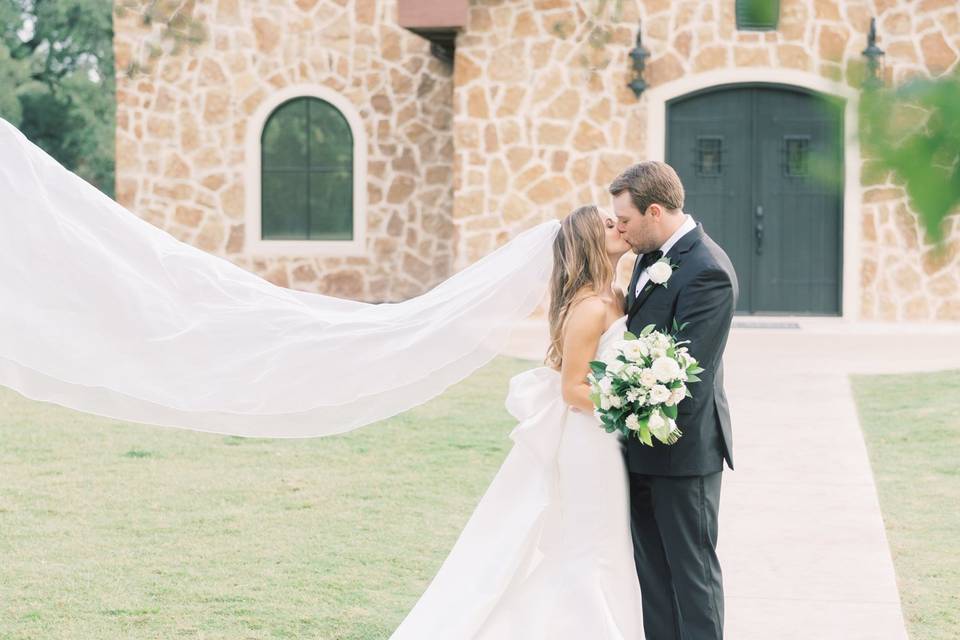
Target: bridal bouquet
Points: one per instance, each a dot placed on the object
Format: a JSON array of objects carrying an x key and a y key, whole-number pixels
[{"x": 639, "y": 383}]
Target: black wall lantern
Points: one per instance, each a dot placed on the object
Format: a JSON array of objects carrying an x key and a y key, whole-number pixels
[
  {"x": 873, "y": 54},
  {"x": 638, "y": 58}
]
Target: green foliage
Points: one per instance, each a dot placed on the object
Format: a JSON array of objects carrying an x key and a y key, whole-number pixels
[
  {"x": 914, "y": 131},
  {"x": 599, "y": 367},
  {"x": 56, "y": 58},
  {"x": 57, "y": 71},
  {"x": 644, "y": 432}
]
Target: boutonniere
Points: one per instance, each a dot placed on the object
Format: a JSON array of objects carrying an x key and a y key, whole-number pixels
[{"x": 660, "y": 271}]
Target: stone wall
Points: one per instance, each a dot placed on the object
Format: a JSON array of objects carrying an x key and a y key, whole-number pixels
[
  {"x": 543, "y": 121},
  {"x": 181, "y": 129},
  {"x": 531, "y": 123}
]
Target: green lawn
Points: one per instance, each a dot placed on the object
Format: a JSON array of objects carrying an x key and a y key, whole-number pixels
[
  {"x": 119, "y": 530},
  {"x": 912, "y": 429}
]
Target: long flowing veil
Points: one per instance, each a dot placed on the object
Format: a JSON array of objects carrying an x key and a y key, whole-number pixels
[{"x": 102, "y": 312}]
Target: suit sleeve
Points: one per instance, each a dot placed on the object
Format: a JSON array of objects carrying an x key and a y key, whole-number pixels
[{"x": 706, "y": 304}]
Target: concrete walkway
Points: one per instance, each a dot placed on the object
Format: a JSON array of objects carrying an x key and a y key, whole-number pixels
[{"x": 802, "y": 542}]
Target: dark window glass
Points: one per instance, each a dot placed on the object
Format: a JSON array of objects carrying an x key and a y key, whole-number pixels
[
  {"x": 709, "y": 156},
  {"x": 796, "y": 156},
  {"x": 757, "y": 15},
  {"x": 306, "y": 173}
]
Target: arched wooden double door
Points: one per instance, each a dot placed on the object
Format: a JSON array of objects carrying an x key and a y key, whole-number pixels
[{"x": 762, "y": 166}]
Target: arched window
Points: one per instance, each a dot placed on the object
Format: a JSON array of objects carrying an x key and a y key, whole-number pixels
[{"x": 306, "y": 173}]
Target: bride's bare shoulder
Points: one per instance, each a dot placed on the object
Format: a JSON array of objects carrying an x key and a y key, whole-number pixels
[{"x": 586, "y": 316}]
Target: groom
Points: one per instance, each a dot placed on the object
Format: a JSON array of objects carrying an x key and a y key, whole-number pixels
[{"x": 675, "y": 489}]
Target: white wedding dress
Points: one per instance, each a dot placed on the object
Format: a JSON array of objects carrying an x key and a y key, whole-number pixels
[
  {"x": 547, "y": 553},
  {"x": 102, "y": 312}
]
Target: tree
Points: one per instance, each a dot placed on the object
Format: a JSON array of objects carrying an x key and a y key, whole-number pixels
[{"x": 57, "y": 57}]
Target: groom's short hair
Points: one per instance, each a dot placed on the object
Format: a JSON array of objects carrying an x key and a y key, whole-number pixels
[{"x": 650, "y": 182}]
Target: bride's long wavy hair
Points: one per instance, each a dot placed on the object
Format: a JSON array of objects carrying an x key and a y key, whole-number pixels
[{"x": 580, "y": 263}]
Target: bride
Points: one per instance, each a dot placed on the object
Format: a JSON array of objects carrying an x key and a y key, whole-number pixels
[
  {"x": 102, "y": 312},
  {"x": 547, "y": 553}
]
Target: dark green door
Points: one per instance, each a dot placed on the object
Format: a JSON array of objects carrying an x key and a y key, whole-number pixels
[{"x": 762, "y": 167}]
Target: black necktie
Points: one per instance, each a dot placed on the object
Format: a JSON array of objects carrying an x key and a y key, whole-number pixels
[{"x": 649, "y": 258}]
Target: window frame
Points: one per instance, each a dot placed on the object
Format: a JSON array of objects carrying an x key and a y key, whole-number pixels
[
  {"x": 744, "y": 21},
  {"x": 253, "y": 243}
]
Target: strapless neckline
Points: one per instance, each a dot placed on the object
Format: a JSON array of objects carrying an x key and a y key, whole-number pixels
[{"x": 612, "y": 325}]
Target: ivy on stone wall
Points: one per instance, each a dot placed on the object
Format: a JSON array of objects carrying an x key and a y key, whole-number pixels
[{"x": 172, "y": 26}]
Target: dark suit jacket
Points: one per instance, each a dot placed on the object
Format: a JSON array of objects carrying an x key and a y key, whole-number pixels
[{"x": 703, "y": 292}]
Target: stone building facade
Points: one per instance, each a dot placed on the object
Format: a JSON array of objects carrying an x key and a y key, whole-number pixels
[
  {"x": 188, "y": 138},
  {"x": 530, "y": 122}
]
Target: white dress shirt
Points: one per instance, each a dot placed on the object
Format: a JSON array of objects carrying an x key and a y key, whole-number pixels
[{"x": 688, "y": 225}]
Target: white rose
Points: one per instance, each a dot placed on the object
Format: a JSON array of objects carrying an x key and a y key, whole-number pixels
[
  {"x": 665, "y": 369},
  {"x": 604, "y": 384},
  {"x": 633, "y": 423},
  {"x": 659, "y": 394},
  {"x": 658, "y": 352},
  {"x": 615, "y": 366},
  {"x": 676, "y": 395},
  {"x": 631, "y": 370},
  {"x": 662, "y": 340},
  {"x": 640, "y": 396},
  {"x": 605, "y": 402},
  {"x": 643, "y": 347},
  {"x": 659, "y": 272},
  {"x": 616, "y": 402},
  {"x": 647, "y": 378},
  {"x": 656, "y": 421},
  {"x": 635, "y": 350}
]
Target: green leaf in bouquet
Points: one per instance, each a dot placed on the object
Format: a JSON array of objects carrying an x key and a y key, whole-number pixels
[
  {"x": 647, "y": 330},
  {"x": 595, "y": 399},
  {"x": 643, "y": 433},
  {"x": 599, "y": 367},
  {"x": 670, "y": 412},
  {"x": 692, "y": 378},
  {"x": 629, "y": 335},
  {"x": 681, "y": 327}
]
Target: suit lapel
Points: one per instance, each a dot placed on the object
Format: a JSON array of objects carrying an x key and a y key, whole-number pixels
[{"x": 686, "y": 242}]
